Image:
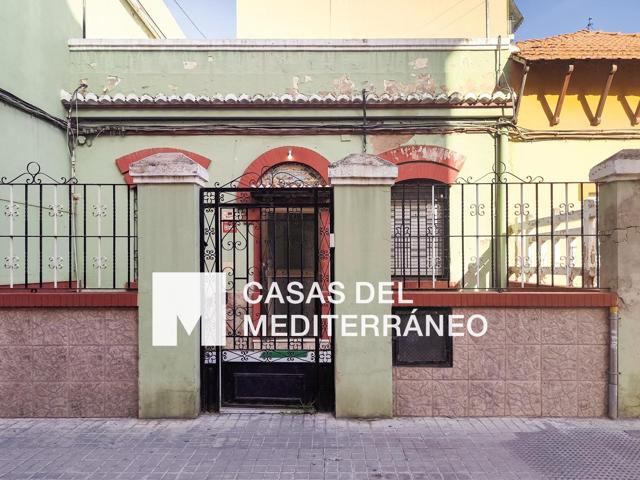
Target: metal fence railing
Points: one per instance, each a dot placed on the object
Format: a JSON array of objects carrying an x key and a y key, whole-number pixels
[
  {"x": 495, "y": 235},
  {"x": 61, "y": 234}
]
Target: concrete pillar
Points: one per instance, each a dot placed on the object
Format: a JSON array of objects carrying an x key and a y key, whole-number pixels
[
  {"x": 619, "y": 222},
  {"x": 362, "y": 228},
  {"x": 168, "y": 241}
]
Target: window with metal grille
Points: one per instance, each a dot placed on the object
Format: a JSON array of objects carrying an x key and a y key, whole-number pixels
[
  {"x": 419, "y": 350},
  {"x": 420, "y": 230}
]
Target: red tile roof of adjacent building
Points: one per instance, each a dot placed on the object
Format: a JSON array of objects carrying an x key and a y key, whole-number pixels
[{"x": 582, "y": 45}]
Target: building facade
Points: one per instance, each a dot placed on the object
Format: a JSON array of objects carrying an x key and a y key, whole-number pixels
[{"x": 310, "y": 161}]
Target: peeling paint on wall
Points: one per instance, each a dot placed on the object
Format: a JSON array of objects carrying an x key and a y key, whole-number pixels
[
  {"x": 419, "y": 63},
  {"x": 382, "y": 143},
  {"x": 344, "y": 85},
  {"x": 422, "y": 83},
  {"x": 189, "y": 64},
  {"x": 295, "y": 82},
  {"x": 112, "y": 82}
]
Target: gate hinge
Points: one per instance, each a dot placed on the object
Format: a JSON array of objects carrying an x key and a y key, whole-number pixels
[{"x": 332, "y": 241}]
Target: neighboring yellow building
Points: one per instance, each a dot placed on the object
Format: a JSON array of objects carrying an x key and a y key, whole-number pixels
[
  {"x": 351, "y": 19},
  {"x": 125, "y": 19},
  {"x": 579, "y": 102}
]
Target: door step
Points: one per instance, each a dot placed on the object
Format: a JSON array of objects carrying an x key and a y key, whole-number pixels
[{"x": 263, "y": 410}]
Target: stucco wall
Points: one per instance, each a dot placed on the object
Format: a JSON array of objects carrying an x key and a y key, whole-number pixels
[
  {"x": 68, "y": 362},
  {"x": 371, "y": 19},
  {"x": 532, "y": 362}
]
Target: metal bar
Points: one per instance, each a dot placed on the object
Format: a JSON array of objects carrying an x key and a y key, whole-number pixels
[
  {"x": 113, "y": 233},
  {"x": 54, "y": 262},
  {"x": 597, "y": 236},
  {"x": 26, "y": 236},
  {"x": 537, "y": 239},
  {"x": 84, "y": 248},
  {"x": 567, "y": 250},
  {"x": 462, "y": 282},
  {"x": 419, "y": 268},
  {"x": 553, "y": 247},
  {"x": 316, "y": 262},
  {"x": 404, "y": 238},
  {"x": 70, "y": 234},
  {"x": 582, "y": 249},
  {"x": 287, "y": 249},
  {"x": 477, "y": 236},
  {"x": 99, "y": 231},
  {"x": 494, "y": 244},
  {"x": 41, "y": 236},
  {"x": 505, "y": 232},
  {"x": 200, "y": 210}
]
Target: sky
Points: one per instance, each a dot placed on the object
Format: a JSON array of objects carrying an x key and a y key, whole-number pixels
[{"x": 542, "y": 18}]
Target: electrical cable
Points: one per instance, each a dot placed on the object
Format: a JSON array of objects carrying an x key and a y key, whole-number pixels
[
  {"x": 189, "y": 18},
  {"x": 30, "y": 109}
]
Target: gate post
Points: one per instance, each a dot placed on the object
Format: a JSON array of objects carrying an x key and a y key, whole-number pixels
[
  {"x": 168, "y": 241},
  {"x": 618, "y": 222},
  {"x": 362, "y": 253}
]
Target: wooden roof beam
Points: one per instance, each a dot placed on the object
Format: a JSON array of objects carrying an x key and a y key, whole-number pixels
[
  {"x": 603, "y": 98},
  {"x": 563, "y": 93},
  {"x": 525, "y": 74}
]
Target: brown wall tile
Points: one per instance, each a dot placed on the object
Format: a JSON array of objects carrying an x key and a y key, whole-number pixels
[
  {"x": 487, "y": 362},
  {"x": 523, "y": 362},
  {"x": 559, "y": 362},
  {"x": 450, "y": 398},
  {"x": 522, "y": 325},
  {"x": 593, "y": 326},
  {"x": 559, "y": 326},
  {"x": 593, "y": 362},
  {"x": 121, "y": 399},
  {"x": 559, "y": 399},
  {"x": 414, "y": 398},
  {"x": 50, "y": 364},
  {"x": 16, "y": 364},
  {"x": 487, "y": 398},
  {"x": 592, "y": 399},
  {"x": 541, "y": 361},
  {"x": 58, "y": 360}
]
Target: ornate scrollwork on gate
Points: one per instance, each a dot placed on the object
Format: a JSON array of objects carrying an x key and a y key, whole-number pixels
[{"x": 33, "y": 175}]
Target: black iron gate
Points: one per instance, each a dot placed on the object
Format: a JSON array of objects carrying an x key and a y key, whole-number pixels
[{"x": 277, "y": 237}]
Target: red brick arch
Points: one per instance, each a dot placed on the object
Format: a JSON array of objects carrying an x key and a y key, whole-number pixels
[
  {"x": 278, "y": 155},
  {"x": 425, "y": 162},
  {"x": 123, "y": 162}
]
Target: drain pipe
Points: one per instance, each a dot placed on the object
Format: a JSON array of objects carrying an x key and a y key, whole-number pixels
[
  {"x": 614, "y": 319},
  {"x": 499, "y": 168}
]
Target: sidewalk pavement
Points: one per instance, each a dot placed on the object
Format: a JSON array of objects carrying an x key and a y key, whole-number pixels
[{"x": 278, "y": 446}]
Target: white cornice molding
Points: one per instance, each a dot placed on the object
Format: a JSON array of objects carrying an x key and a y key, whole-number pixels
[{"x": 431, "y": 44}]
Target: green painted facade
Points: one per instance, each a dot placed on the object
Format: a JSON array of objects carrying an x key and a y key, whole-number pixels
[{"x": 42, "y": 64}]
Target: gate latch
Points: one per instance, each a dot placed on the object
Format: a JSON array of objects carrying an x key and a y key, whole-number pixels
[{"x": 332, "y": 241}]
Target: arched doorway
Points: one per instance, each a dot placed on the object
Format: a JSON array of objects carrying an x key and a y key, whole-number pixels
[{"x": 272, "y": 228}]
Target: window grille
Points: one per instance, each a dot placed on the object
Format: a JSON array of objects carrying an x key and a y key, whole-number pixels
[{"x": 419, "y": 222}]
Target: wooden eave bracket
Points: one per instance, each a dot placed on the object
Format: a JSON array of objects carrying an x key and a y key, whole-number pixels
[
  {"x": 636, "y": 115},
  {"x": 525, "y": 73},
  {"x": 565, "y": 86},
  {"x": 603, "y": 97}
]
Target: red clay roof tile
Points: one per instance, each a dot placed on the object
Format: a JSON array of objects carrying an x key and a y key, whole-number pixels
[{"x": 582, "y": 45}]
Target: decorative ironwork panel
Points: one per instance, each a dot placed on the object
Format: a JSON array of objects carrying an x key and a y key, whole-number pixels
[
  {"x": 270, "y": 235},
  {"x": 57, "y": 233}
]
